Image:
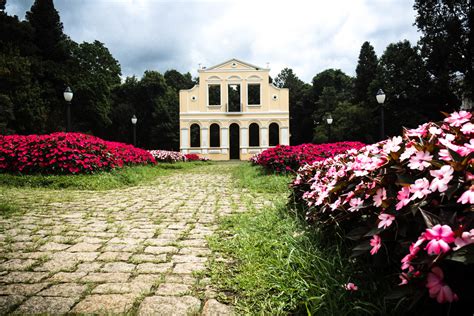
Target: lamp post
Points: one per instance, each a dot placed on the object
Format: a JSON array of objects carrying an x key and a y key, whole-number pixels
[
  {"x": 329, "y": 120},
  {"x": 134, "y": 123},
  {"x": 380, "y": 96},
  {"x": 68, "y": 97}
]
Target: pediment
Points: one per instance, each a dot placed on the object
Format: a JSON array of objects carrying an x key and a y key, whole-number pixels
[{"x": 234, "y": 64}]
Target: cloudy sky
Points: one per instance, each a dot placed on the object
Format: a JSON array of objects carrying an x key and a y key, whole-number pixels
[{"x": 308, "y": 36}]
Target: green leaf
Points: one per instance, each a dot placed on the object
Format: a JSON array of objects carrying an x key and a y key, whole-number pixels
[
  {"x": 357, "y": 233},
  {"x": 360, "y": 249},
  {"x": 399, "y": 292},
  {"x": 430, "y": 219},
  {"x": 464, "y": 255}
]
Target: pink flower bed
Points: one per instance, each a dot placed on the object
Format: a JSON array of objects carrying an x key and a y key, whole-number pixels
[
  {"x": 66, "y": 153},
  {"x": 407, "y": 200},
  {"x": 290, "y": 158},
  {"x": 167, "y": 156}
]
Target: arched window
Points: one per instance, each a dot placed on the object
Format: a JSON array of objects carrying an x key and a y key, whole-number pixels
[
  {"x": 254, "y": 135},
  {"x": 215, "y": 139},
  {"x": 274, "y": 134},
  {"x": 195, "y": 136}
]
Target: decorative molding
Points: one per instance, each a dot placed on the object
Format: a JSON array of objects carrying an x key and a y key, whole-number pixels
[
  {"x": 226, "y": 113},
  {"x": 232, "y": 60}
]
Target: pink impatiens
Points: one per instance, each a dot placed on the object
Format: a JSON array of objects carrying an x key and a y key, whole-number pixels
[
  {"x": 385, "y": 220},
  {"x": 438, "y": 289},
  {"x": 376, "y": 243},
  {"x": 440, "y": 236},
  {"x": 420, "y": 160},
  {"x": 441, "y": 178},
  {"x": 414, "y": 191}
]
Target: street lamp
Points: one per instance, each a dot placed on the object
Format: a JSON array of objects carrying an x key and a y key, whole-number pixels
[
  {"x": 329, "y": 120},
  {"x": 134, "y": 123},
  {"x": 68, "y": 97},
  {"x": 380, "y": 96}
]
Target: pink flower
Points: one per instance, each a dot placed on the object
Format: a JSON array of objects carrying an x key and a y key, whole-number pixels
[
  {"x": 445, "y": 155},
  {"x": 437, "y": 288},
  {"x": 466, "y": 238},
  {"x": 376, "y": 243},
  {"x": 409, "y": 151},
  {"x": 420, "y": 161},
  {"x": 355, "y": 204},
  {"x": 420, "y": 188},
  {"x": 380, "y": 196},
  {"x": 441, "y": 178},
  {"x": 406, "y": 261},
  {"x": 392, "y": 145},
  {"x": 439, "y": 237},
  {"x": 467, "y": 197},
  {"x": 458, "y": 118},
  {"x": 403, "y": 196},
  {"x": 385, "y": 220},
  {"x": 351, "y": 287},
  {"x": 467, "y": 128}
]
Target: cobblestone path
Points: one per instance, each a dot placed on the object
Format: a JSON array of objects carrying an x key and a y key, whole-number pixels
[{"x": 139, "y": 250}]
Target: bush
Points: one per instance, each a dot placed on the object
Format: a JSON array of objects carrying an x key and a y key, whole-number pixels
[
  {"x": 66, "y": 153},
  {"x": 290, "y": 158},
  {"x": 167, "y": 156},
  {"x": 194, "y": 157},
  {"x": 406, "y": 206}
]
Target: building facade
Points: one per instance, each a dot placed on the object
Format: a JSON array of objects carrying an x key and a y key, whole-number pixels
[{"x": 233, "y": 113}]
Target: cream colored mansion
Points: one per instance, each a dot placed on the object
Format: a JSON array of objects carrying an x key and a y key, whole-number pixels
[{"x": 233, "y": 113}]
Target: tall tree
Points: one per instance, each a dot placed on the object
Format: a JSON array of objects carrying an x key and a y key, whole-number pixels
[
  {"x": 48, "y": 30},
  {"x": 447, "y": 43},
  {"x": 365, "y": 73},
  {"x": 301, "y": 106},
  {"x": 96, "y": 73},
  {"x": 50, "y": 65},
  {"x": 403, "y": 77},
  {"x": 177, "y": 80}
]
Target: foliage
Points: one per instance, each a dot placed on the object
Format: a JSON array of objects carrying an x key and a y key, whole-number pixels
[
  {"x": 274, "y": 264},
  {"x": 256, "y": 179},
  {"x": 365, "y": 73},
  {"x": 102, "y": 180},
  {"x": 290, "y": 158},
  {"x": 300, "y": 105},
  {"x": 66, "y": 153},
  {"x": 447, "y": 43},
  {"x": 408, "y": 201}
]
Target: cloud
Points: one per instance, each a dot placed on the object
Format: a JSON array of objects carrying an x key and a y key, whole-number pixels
[{"x": 308, "y": 36}]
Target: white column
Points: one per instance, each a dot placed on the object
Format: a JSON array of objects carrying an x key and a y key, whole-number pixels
[
  {"x": 264, "y": 132},
  {"x": 245, "y": 139},
  {"x": 204, "y": 139},
  {"x": 225, "y": 139},
  {"x": 184, "y": 140},
  {"x": 285, "y": 136}
]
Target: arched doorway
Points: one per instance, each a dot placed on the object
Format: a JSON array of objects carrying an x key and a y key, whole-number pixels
[
  {"x": 274, "y": 136},
  {"x": 234, "y": 141}
]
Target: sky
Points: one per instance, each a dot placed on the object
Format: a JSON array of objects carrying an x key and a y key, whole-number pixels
[{"x": 307, "y": 36}]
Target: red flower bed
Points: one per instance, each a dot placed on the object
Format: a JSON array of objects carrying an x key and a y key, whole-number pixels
[
  {"x": 406, "y": 208},
  {"x": 66, "y": 153},
  {"x": 194, "y": 157},
  {"x": 291, "y": 158}
]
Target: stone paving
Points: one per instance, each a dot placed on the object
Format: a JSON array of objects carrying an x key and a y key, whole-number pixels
[{"x": 139, "y": 250}]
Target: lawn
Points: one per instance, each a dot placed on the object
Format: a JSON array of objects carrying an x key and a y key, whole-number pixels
[
  {"x": 106, "y": 180},
  {"x": 276, "y": 264}
]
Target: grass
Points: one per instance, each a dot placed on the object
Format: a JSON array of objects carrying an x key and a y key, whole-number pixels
[
  {"x": 127, "y": 176},
  {"x": 7, "y": 208},
  {"x": 276, "y": 264},
  {"x": 255, "y": 179}
]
